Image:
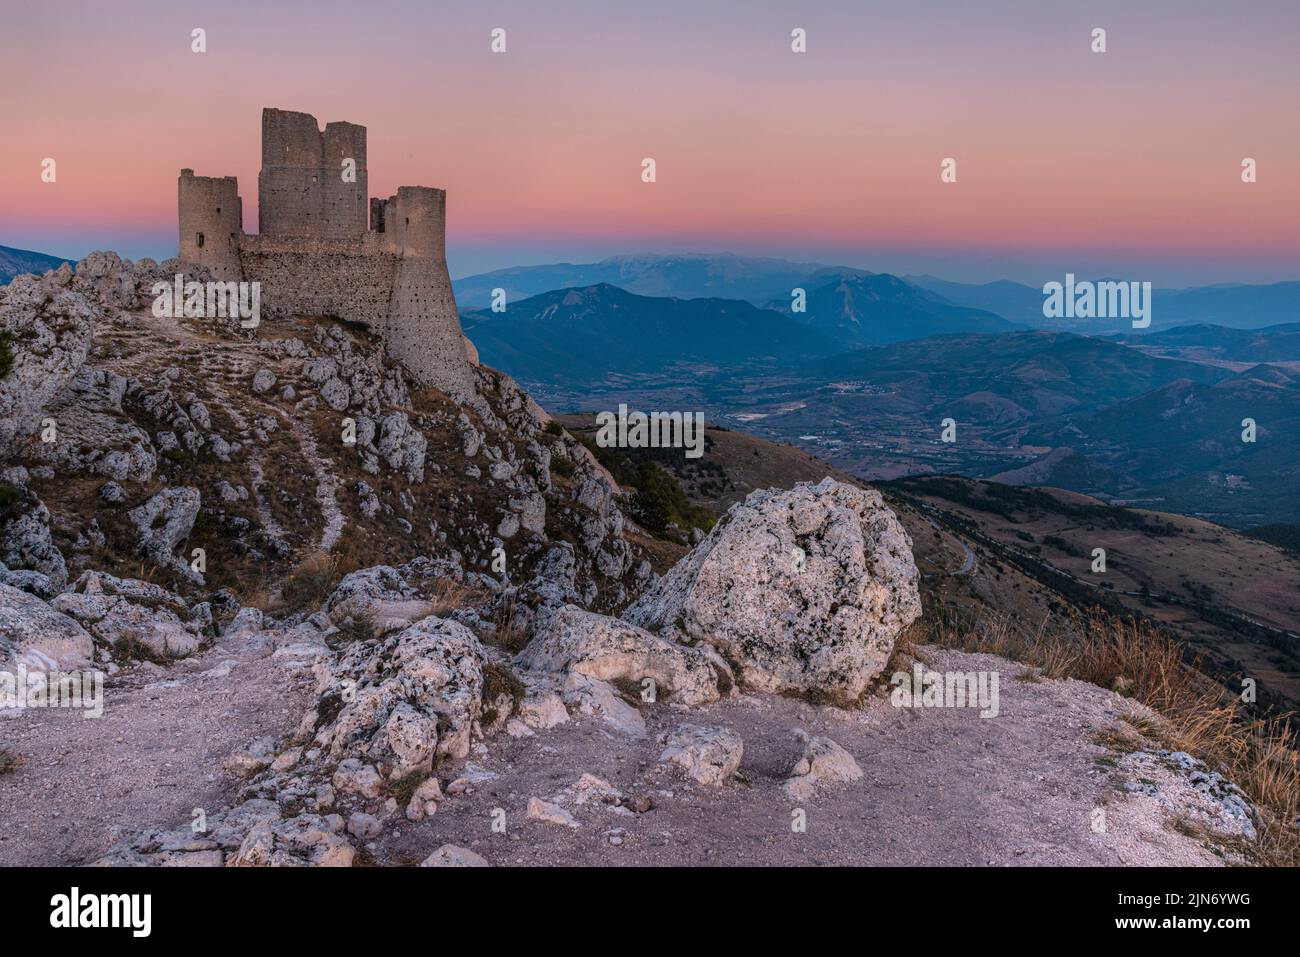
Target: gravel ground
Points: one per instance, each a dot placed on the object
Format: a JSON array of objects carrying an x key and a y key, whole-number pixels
[
  {"x": 153, "y": 757},
  {"x": 940, "y": 786}
]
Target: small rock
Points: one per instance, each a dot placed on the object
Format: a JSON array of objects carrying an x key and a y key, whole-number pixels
[
  {"x": 263, "y": 381},
  {"x": 822, "y": 762},
  {"x": 449, "y": 855},
  {"x": 710, "y": 755},
  {"x": 364, "y": 826},
  {"x": 354, "y": 777},
  {"x": 539, "y": 810}
]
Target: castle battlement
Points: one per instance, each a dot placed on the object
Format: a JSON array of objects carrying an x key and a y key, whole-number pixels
[{"x": 326, "y": 248}]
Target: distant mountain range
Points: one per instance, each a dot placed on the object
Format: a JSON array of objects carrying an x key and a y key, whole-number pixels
[
  {"x": 685, "y": 276},
  {"x": 767, "y": 282},
  {"x": 15, "y": 262},
  {"x": 1235, "y": 305},
  {"x": 603, "y": 329},
  {"x": 874, "y": 309},
  {"x": 591, "y": 332}
]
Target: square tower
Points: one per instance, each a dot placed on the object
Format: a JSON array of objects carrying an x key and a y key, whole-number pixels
[{"x": 312, "y": 183}]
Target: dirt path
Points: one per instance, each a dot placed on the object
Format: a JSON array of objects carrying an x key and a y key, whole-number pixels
[{"x": 153, "y": 757}]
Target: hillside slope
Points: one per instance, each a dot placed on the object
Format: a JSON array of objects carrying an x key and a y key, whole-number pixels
[{"x": 16, "y": 262}]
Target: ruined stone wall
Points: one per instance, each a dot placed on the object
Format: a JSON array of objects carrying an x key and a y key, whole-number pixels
[
  {"x": 211, "y": 218},
  {"x": 351, "y": 279},
  {"x": 300, "y": 189}
]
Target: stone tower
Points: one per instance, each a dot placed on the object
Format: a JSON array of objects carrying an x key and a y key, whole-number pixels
[
  {"x": 212, "y": 222},
  {"x": 325, "y": 248},
  {"x": 311, "y": 183}
]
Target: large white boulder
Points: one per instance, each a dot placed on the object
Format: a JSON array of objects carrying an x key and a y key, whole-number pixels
[{"x": 802, "y": 591}]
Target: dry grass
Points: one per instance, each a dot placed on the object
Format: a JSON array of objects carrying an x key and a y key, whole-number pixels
[
  {"x": 448, "y": 594},
  {"x": 1259, "y": 755},
  {"x": 308, "y": 585},
  {"x": 10, "y": 761},
  {"x": 506, "y": 634}
]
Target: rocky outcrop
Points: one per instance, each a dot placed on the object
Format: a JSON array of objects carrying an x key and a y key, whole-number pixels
[
  {"x": 404, "y": 701},
  {"x": 25, "y": 540},
  {"x": 802, "y": 591},
  {"x": 164, "y": 522},
  {"x": 123, "y": 611},
  {"x": 252, "y": 834},
  {"x": 38, "y": 636},
  {"x": 1182, "y": 784},
  {"x": 50, "y": 328}
]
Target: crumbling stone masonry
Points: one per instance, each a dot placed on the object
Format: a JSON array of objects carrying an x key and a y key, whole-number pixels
[{"x": 324, "y": 249}]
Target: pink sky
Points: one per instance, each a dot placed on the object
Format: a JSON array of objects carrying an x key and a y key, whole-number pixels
[{"x": 1126, "y": 163}]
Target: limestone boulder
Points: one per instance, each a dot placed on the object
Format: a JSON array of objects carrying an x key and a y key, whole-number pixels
[
  {"x": 117, "y": 610},
  {"x": 577, "y": 641},
  {"x": 802, "y": 591},
  {"x": 710, "y": 755},
  {"x": 25, "y": 539},
  {"x": 405, "y": 700},
  {"x": 34, "y": 634},
  {"x": 164, "y": 522},
  {"x": 50, "y": 329},
  {"x": 449, "y": 855},
  {"x": 596, "y": 698},
  {"x": 391, "y": 597},
  {"x": 822, "y": 762}
]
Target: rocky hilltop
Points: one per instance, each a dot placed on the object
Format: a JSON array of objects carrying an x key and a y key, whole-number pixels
[{"x": 346, "y": 620}]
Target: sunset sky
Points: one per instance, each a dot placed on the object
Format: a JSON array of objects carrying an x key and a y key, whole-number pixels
[{"x": 1125, "y": 163}]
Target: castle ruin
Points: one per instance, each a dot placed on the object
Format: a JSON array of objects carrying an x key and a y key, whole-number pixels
[{"x": 325, "y": 248}]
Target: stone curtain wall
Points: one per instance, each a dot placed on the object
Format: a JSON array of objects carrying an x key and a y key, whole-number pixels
[
  {"x": 350, "y": 279},
  {"x": 423, "y": 329}
]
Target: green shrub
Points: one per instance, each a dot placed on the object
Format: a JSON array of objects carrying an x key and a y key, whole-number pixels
[{"x": 658, "y": 499}]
